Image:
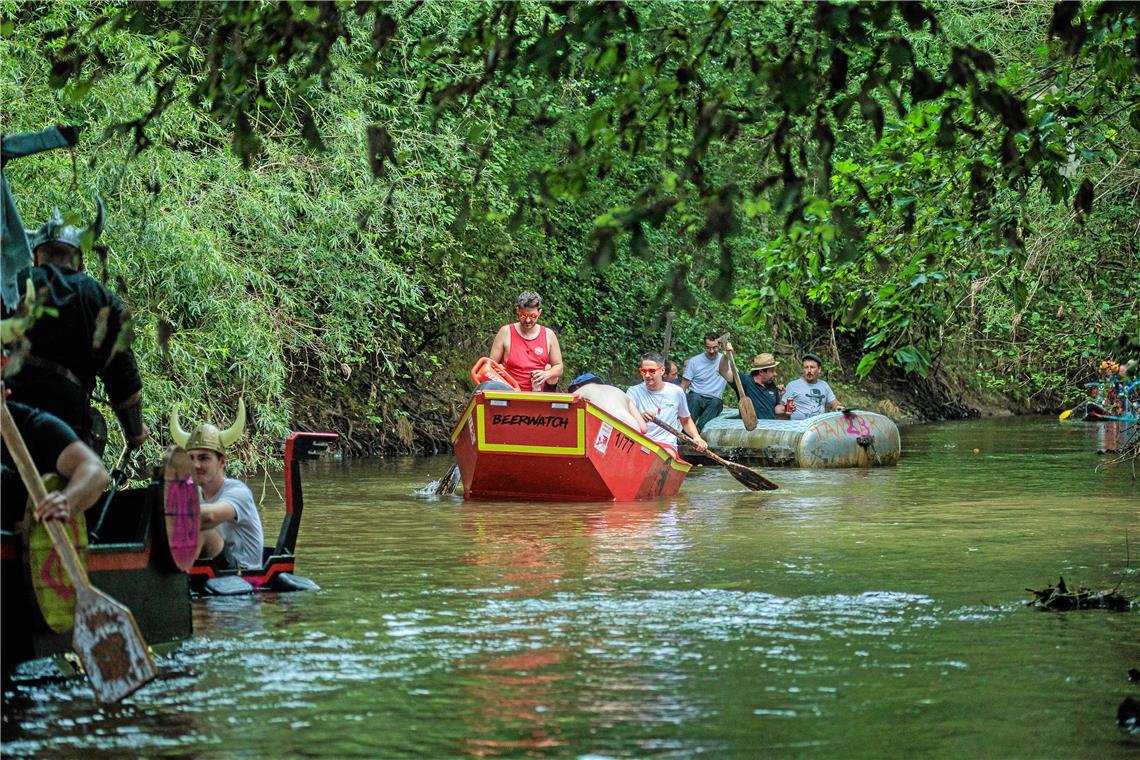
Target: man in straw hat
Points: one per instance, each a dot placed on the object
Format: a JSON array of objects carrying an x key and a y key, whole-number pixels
[
  {"x": 761, "y": 386},
  {"x": 230, "y": 526}
]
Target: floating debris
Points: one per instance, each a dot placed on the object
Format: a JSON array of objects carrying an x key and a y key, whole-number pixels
[
  {"x": 1128, "y": 715},
  {"x": 1060, "y": 599}
]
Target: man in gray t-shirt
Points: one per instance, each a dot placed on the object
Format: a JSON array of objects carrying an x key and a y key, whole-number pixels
[
  {"x": 807, "y": 396},
  {"x": 230, "y": 528},
  {"x": 703, "y": 384}
]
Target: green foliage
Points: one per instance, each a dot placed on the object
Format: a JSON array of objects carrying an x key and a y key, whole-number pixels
[{"x": 328, "y": 208}]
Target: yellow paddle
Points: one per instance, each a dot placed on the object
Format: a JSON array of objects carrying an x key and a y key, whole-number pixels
[{"x": 106, "y": 637}]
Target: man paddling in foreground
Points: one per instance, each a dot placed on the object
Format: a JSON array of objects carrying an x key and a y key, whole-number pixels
[
  {"x": 656, "y": 398},
  {"x": 230, "y": 527},
  {"x": 528, "y": 351}
]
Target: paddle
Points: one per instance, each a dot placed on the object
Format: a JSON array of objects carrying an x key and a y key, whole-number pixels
[
  {"x": 106, "y": 636},
  {"x": 750, "y": 478},
  {"x": 669, "y": 316},
  {"x": 747, "y": 409},
  {"x": 448, "y": 482}
]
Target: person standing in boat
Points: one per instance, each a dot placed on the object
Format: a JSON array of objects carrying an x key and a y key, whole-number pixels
[
  {"x": 760, "y": 386},
  {"x": 654, "y": 397},
  {"x": 86, "y": 338},
  {"x": 702, "y": 383},
  {"x": 527, "y": 350},
  {"x": 807, "y": 396},
  {"x": 230, "y": 528}
]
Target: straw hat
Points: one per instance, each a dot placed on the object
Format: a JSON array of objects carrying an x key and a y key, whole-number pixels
[{"x": 763, "y": 361}]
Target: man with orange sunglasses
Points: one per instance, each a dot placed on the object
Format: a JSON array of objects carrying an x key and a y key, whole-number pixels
[
  {"x": 656, "y": 398},
  {"x": 527, "y": 350}
]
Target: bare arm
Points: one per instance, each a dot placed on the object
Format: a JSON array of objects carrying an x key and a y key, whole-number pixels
[
  {"x": 641, "y": 426},
  {"x": 501, "y": 346},
  {"x": 726, "y": 367},
  {"x": 554, "y": 373},
  {"x": 86, "y": 481},
  {"x": 213, "y": 515},
  {"x": 690, "y": 427}
]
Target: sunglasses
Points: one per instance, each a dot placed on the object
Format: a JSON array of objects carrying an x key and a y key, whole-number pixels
[
  {"x": 526, "y": 315},
  {"x": 650, "y": 372}
]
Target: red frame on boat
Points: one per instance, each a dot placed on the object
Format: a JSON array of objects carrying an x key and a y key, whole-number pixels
[{"x": 557, "y": 447}]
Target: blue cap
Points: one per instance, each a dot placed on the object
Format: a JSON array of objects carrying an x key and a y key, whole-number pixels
[{"x": 585, "y": 379}]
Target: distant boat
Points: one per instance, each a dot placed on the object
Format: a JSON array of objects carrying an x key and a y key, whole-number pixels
[{"x": 835, "y": 439}]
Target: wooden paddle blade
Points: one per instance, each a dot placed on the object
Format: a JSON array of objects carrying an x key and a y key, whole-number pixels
[
  {"x": 448, "y": 482},
  {"x": 748, "y": 413},
  {"x": 110, "y": 647},
  {"x": 750, "y": 478}
]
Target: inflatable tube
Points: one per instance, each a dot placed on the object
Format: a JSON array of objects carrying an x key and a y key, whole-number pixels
[{"x": 836, "y": 439}]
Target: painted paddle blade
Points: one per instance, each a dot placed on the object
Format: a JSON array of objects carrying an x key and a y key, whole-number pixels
[
  {"x": 181, "y": 508},
  {"x": 1065, "y": 415},
  {"x": 110, "y": 646}
]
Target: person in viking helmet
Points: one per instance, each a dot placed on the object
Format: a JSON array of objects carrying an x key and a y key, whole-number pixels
[
  {"x": 230, "y": 528},
  {"x": 58, "y": 358}
]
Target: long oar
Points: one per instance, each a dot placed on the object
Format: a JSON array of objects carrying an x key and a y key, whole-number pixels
[
  {"x": 747, "y": 409},
  {"x": 750, "y": 478},
  {"x": 106, "y": 636}
]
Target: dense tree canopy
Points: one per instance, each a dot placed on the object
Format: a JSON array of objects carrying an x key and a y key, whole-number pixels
[{"x": 332, "y": 202}]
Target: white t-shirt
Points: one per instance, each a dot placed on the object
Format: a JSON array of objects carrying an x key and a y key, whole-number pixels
[
  {"x": 243, "y": 538},
  {"x": 811, "y": 398},
  {"x": 668, "y": 404},
  {"x": 703, "y": 375}
]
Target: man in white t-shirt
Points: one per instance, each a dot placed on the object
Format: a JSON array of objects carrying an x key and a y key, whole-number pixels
[
  {"x": 230, "y": 528},
  {"x": 808, "y": 395},
  {"x": 703, "y": 384},
  {"x": 665, "y": 401}
]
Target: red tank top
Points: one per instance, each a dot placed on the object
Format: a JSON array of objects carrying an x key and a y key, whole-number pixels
[{"x": 526, "y": 356}]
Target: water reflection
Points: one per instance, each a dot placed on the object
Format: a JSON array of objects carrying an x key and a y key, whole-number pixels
[{"x": 809, "y": 620}]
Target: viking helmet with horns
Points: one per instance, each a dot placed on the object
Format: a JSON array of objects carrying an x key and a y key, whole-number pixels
[
  {"x": 56, "y": 229},
  {"x": 207, "y": 436}
]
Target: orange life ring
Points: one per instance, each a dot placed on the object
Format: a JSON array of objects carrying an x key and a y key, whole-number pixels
[{"x": 486, "y": 370}]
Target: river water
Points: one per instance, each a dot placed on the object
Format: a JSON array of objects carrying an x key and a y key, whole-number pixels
[{"x": 851, "y": 613}]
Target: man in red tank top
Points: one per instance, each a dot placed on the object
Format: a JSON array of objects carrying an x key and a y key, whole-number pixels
[{"x": 528, "y": 351}]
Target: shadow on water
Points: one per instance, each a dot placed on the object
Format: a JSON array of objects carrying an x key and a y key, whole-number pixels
[{"x": 820, "y": 619}]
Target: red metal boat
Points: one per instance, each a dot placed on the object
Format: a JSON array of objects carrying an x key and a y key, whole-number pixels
[{"x": 557, "y": 447}]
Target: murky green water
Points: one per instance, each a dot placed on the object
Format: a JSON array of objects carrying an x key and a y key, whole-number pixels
[{"x": 849, "y": 614}]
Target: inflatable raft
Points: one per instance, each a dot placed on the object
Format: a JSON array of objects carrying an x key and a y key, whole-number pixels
[{"x": 836, "y": 439}]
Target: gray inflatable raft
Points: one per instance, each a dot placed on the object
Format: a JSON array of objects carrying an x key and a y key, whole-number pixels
[{"x": 835, "y": 439}]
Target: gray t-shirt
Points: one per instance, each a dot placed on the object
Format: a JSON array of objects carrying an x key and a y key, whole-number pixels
[
  {"x": 668, "y": 405},
  {"x": 243, "y": 538},
  {"x": 703, "y": 375},
  {"x": 811, "y": 398}
]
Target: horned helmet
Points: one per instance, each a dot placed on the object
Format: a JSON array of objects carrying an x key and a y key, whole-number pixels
[
  {"x": 56, "y": 229},
  {"x": 207, "y": 436}
]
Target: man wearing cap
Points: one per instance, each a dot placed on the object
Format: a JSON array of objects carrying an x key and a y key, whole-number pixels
[
  {"x": 87, "y": 337},
  {"x": 609, "y": 399},
  {"x": 808, "y": 394},
  {"x": 230, "y": 526},
  {"x": 761, "y": 386}
]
